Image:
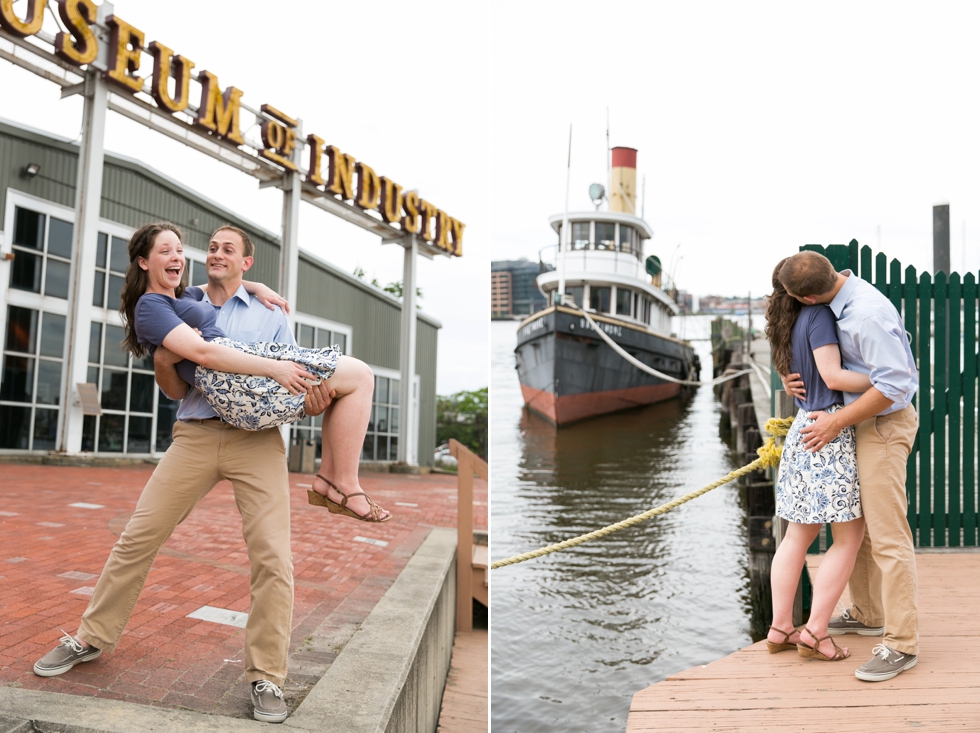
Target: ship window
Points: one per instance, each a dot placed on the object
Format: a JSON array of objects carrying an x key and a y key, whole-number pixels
[
  {"x": 625, "y": 238},
  {"x": 574, "y": 293},
  {"x": 605, "y": 235},
  {"x": 580, "y": 235},
  {"x": 623, "y": 298},
  {"x": 600, "y": 299}
]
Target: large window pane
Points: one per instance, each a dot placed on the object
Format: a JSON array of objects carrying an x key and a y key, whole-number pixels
[
  {"x": 141, "y": 393},
  {"x": 306, "y": 336},
  {"x": 395, "y": 393},
  {"x": 625, "y": 238},
  {"x": 166, "y": 417},
  {"x": 623, "y": 300},
  {"x": 25, "y": 274},
  {"x": 381, "y": 419},
  {"x": 393, "y": 414},
  {"x": 28, "y": 229},
  {"x": 340, "y": 339},
  {"x": 380, "y": 389},
  {"x": 113, "y": 354},
  {"x": 59, "y": 238},
  {"x": 323, "y": 339},
  {"x": 102, "y": 250},
  {"x": 111, "y": 433},
  {"x": 139, "y": 434},
  {"x": 21, "y": 329},
  {"x": 199, "y": 273},
  {"x": 113, "y": 299},
  {"x": 49, "y": 382},
  {"x": 17, "y": 383},
  {"x": 599, "y": 298},
  {"x": 98, "y": 290},
  {"x": 393, "y": 448},
  {"x": 15, "y": 424},
  {"x": 45, "y": 429},
  {"x": 368, "y": 453},
  {"x": 52, "y": 335},
  {"x": 56, "y": 279},
  {"x": 580, "y": 235},
  {"x": 114, "y": 390},
  {"x": 145, "y": 362},
  {"x": 119, "y": 255},
  {"x": 382, "y": 450},
  {"x": 94, "y": 342},
  {"x": 605, "y": 235},
  {"x": 88, "y": 433},
  {"x": 92, "y": 376},
  {"x": 574, "y": 294}
]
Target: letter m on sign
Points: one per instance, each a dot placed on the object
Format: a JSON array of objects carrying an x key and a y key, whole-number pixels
[{"x": 219, "y": 112}]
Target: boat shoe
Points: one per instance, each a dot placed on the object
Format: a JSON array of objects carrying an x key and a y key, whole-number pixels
[
  {"x": 268, "y": 703},
  {"x": 885, "y": 664},
  {"x": 64, "y": 656},
  {"x": 847, "y": 624}
]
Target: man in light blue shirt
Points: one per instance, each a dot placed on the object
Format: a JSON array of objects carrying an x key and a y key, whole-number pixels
[
  {"x": 873, "y": 341},
  {"x": 204, "y": 451}
]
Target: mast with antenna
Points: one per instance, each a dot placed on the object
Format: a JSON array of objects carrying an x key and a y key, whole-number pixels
[{"x": 565, "y": 239}]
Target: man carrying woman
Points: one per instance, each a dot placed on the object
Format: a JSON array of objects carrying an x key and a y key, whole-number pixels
[
  {"x": 873, "y": 342},
  {"x": 206, "y": 450}
]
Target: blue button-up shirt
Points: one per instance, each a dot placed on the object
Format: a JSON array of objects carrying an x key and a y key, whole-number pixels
[
  {"x": 242, "y": 318},
  {"x": 873, "y": 341}
]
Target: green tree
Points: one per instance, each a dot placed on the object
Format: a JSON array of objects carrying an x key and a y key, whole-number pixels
[
  {"x": 394, "y": 288},
  {"x": 463, "y": 416}
]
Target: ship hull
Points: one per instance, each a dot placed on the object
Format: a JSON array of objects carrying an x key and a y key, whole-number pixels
[{"x": 568, "y": 373}]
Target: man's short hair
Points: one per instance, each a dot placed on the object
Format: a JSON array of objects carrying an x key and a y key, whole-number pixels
[
  {"x": 807, "y": 273},
  {"x": 246, "y": 240}
]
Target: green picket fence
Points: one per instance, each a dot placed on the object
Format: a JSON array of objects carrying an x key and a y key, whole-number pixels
[{"x": 940, "y": 314}]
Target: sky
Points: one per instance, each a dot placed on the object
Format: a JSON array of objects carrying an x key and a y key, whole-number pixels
[
  {"x": 389, "y": 83},
  {"x": 760, "y": 127}
]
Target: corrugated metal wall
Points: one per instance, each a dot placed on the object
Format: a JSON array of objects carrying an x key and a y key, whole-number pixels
[
  {"x": 376, "y": 320},
  {"x": 133, "y": 195}
]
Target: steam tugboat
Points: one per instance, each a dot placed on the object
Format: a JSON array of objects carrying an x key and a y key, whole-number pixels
[{"x": 567, "y": 372}]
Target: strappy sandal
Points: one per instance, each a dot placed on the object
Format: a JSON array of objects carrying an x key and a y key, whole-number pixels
[
  {"x": 813, "y": 652},
  {"x": 782, "y": 646},
  {"x": 318, "y": 499}
]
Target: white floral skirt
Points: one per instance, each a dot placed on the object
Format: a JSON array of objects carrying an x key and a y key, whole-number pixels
[
  {"x": 257, "y": 403},
  {"x": 814, "y": 488}
]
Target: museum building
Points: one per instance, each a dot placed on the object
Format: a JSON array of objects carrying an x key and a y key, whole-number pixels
[{"x": 38, "y": 174}]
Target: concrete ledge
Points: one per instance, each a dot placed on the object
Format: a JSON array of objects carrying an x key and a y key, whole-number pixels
[
  {"x": 391, "y": 674},
  {"x": 49, "y": 712}
]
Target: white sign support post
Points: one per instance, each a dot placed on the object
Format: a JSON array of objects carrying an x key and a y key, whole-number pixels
[
  {"x": 88, "y": 201},
  {"x": 292, "y": 195},
  {"x": 407, "y": 427}
]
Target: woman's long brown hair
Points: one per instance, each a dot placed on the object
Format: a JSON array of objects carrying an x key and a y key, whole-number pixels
[
  {"x": 781, "y": 314},
  {"x": 141, "y": 245}
]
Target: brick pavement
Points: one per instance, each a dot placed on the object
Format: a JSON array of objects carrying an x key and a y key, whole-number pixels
[{"x": 51, "y": 554}]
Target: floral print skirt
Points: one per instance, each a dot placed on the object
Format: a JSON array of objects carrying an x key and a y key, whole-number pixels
[
  {"x": 257, "y": 403},
  {"x": 814, "y": 488}
]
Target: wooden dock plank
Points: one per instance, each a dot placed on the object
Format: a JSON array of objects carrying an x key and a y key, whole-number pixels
[
  {"x": 464, "y": 701},
  {"x": 754, "y": 690}
]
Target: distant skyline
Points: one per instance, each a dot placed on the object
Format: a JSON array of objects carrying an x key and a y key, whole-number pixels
[
  {"x": 407, "y": 130},
  {"x": 760, "y": 127}
]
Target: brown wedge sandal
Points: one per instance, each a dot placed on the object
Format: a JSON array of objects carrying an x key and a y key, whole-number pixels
[
  {"x": 813, "y": 652},
  {"x": 784, "y": 645},
  {"x": 317, "y": 499}
]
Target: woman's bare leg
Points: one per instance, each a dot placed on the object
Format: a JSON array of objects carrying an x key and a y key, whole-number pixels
[
  {"x": 835, "y": 569},
  {"x": 345, "y": 424},
  {"x": 787, "y": 564}
]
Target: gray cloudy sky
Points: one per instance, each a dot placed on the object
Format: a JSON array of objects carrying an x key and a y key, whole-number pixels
[
  {"x": 760, "y": 126},
  {"x": 402, "y": 87}
]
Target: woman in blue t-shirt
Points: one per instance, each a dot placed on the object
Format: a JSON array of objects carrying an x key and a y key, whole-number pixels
[
  {"x": 812, "y": 487},
  {"x": 251, "y": 386}
]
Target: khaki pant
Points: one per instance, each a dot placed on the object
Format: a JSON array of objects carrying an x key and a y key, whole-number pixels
[
  {"x": 883, "y": 585},
  {"x": 202, "y": 454}
]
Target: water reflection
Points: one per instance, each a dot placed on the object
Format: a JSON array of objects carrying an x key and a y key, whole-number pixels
[{"x": 577, "y": 633}]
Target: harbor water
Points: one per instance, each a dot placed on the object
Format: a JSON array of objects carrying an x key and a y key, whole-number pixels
[{"x": 577, "y": 633}]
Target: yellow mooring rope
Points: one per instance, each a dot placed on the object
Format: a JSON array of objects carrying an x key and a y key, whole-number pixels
[{"x": 769, "y": 454}]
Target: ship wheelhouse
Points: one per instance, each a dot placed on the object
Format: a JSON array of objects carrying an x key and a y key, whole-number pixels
[{"x": 605, "y": 270}]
